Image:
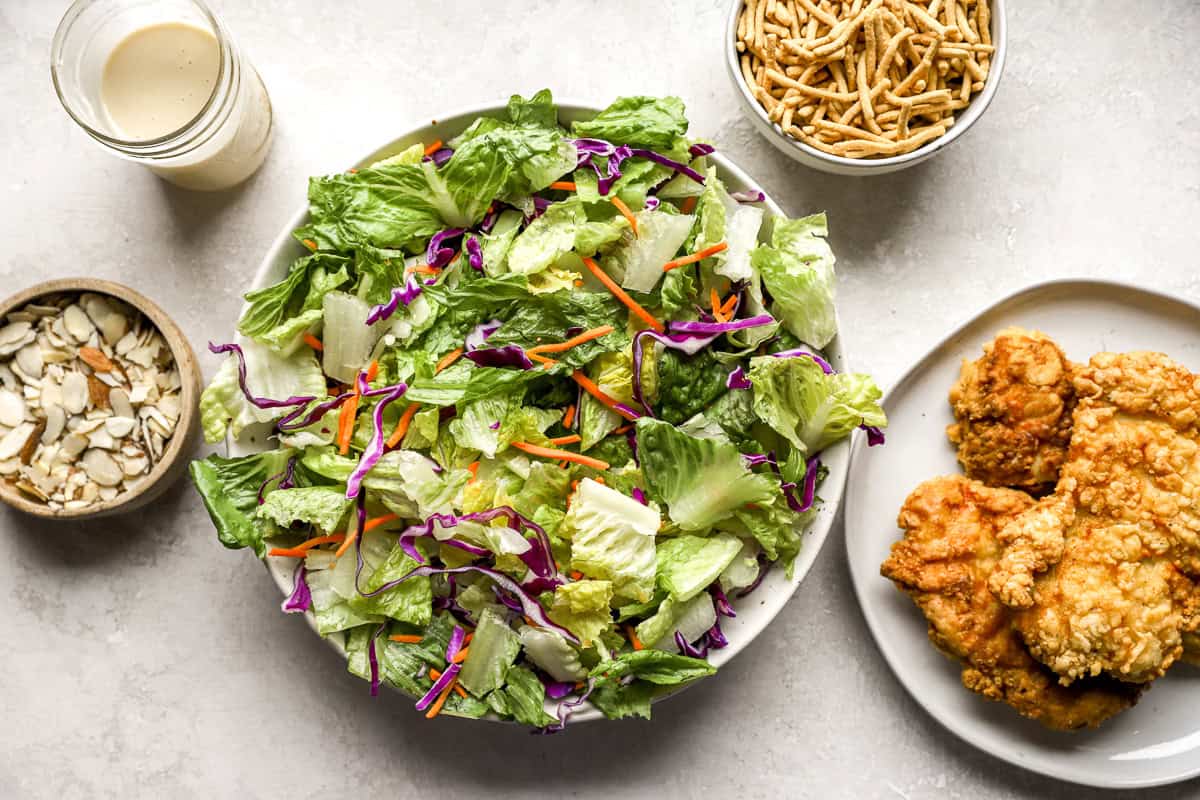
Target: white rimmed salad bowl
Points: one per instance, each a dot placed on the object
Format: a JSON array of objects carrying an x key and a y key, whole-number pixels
[{"x": 774, "y": 589}]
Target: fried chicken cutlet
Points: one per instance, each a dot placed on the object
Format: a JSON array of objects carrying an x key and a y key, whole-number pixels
[
  {"x": 1012, "y": 410},
  {"x": 1098, "y": 571},
  {"x": 943, "y": 563}
]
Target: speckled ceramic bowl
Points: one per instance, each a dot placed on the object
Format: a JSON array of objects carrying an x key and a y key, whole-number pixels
[{"x": 840, "y": 165}]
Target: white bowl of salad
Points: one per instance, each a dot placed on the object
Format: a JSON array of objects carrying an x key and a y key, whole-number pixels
[{"x": 538, "y": 413}]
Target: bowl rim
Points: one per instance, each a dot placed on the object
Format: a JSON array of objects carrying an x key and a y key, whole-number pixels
[
  {"x": 178, "y": 445},
  {"x": 832, "y": 490},
  {"x": 800, "y": 150}
]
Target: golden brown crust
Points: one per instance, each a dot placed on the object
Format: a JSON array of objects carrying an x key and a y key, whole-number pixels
[
  {"x": 943, "y": 563},
  {"x": 1012, "y": 410},
  {"x": 1098, "y": 568}
]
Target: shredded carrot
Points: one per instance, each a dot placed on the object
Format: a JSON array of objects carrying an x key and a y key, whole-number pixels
[
  {"x": 473, "y": 468},
  {"x": 569, "y": 418},
  {"x": 345, "y": 428},
  {"x": 586, "y": 336},
  {"x": 572, "y": 439},
  {"x": 625, "y": 212},
  {"x": 353, "y": 170},
  {"x": 689, "y": 205},
  {"x": 546, "y": 363},
  {"x": 301, "y": 550},
  {"x": 461, "y": 656},
  {"x": 425, "y": 269},
  {"x": 351, "y": 538},
  {"x": 715, "y": 300},
  {"x": 694, "y": 257},
  {"x": 563, "y": 186},
  {"x": 565, "y": 455},
  {"x": 407, "y": 638},
  {"x": 433, "y": 148},
  {"x": 633, "y": 639},
  {"x": 576, "y": 575},
  {"x": 372, "y": 371},
  {"x": 313, "y": 342},
  {"x": 578, "y": 284},
  {"x": 436, "y": 708},
  {"x": 530, "y": 622},
  {"x": 372, "y": 524},
  {"x": 402, "y": 425},
  {"x": 600, "y": 479},
  {"x": 620, "y": 294},
  {"x": 729, "y": 305},
  {"x": 622, "y": 430},
  {"x": 467, "y": 639},
  {"x": 310, "y": 244},
  {"x": 448, "y": 359},
  {"x": 598, "y": 393}
]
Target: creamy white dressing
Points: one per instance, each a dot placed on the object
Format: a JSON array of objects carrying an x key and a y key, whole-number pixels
[{"x": 158, "y": 79}]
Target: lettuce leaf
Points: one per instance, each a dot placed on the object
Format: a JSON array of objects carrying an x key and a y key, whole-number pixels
[
  {"x": 322, "y": 507},
  {"x": 223, "y": 407},
  {"x": 653, "y": 122},
  {"x": 278, "y": 315},
  {"x": 582, "y": 607},
  {"x": 687, "y": 565},
  {"x": 229, "y": 488},
  {"x": 810, "y": 409},
  {"x": 612, "y": 537},
  {"x": 523, "y": 699},
  {"x": 702, "y": 481},
  {"x": 494, "y": 648},
  {"x": 797, "y": 268}
]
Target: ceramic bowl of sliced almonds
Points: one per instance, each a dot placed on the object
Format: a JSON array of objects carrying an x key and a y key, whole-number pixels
[{"x": 98, "y": 394}]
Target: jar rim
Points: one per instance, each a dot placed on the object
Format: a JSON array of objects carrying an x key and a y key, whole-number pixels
[{"x": 127, "y": 145}]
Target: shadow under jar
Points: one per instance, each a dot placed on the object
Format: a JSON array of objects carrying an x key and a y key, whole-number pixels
[{"x": 161, "y": 83}]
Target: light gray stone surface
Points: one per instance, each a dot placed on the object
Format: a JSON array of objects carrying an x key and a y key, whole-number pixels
[{"x": 142, "y": 659}]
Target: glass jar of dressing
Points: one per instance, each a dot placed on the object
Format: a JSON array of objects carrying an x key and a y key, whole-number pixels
[{"x": 162, "y": 83}]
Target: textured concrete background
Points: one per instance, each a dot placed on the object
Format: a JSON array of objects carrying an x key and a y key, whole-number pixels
[{"x": 144, "y": 660}]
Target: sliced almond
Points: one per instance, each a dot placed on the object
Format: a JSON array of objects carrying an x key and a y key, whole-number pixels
[
  {"x": 73, "y": 444},
  {"x": 14, "y": 332},
  {"x": 14, "y": 441},
  {"x": 74, "y": 392},
  {"x": 56, "y": 421},
  {"x": 98, "y": 391},
  {"x": 12, "y": 408},
  {"x": 77, "y": 323},
  {"x": 33, "y": 491},
  {"x": 119, "y": 427},
  {"x": 101, "y": 468},
  {"x": 120, "y": 400},
  {"x": 31, "y": 444},
  {"x": 95, "y": 359},
  {"x": 29, "y": 359}
]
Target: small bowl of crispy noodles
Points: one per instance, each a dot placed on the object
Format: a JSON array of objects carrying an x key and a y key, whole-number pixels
[{"x": 860, "y": 87}]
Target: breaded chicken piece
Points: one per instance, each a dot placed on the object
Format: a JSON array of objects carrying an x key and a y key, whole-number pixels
[
  {"x": 1099, "y": 569},
  {"x": 943, "y": 563},
  {"x": 1012, "y": 410}
]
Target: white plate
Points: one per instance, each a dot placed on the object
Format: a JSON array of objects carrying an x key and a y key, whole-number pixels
[
  {"x": 754, "y": 613},
  {"x": 1156, "y": 742}
]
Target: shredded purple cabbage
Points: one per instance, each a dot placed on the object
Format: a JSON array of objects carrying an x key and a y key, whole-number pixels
[
  {"x": 737, "y": 379},
  {"x": 438, "y": 256},
  {"x": 510, "y": 355},
  {"x": 755, "y": 196},
  {"x": 375, "y": 448},
  {"x": 657, "y": 158},
  {"x": 441, "y": 683},
  {"x": 401, "y": 294},
  {"x": 763, "y": 568},
  {"x": 809, "y": 489},
  {"x": 569, "y": 707},
  {"x": 716, "y": 637},
  {"x": 373, "y": 660},
  {"x": 701, "y": 149},
  {"x": 287, "y": 479},
  {"x": 480, "y": 333},
  {"x": 264, "y": 403},
  {"x": 721, "y": 602},
  {"x": 539, "y": 557},
  {"x": 686, "y": 648},
  {"x": 652, "y": 202},
  {"x": 439, "y": 156},
  {"x": 495, "y": 426},
  {"x": 300, "y": 600},
  {"x": 474, "y": 253},
  {"x": 289, "y": 422},
  {"x": 639, "y": 495},
  {"x": 457, "y": 636},
  {"x": 874, "y": 435},
  {"x": 714, "y": 328},
  {"x": 529, "y": 605},
  {"x": 557, "y": 690},
  {"x": 489, "y": 219}
]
